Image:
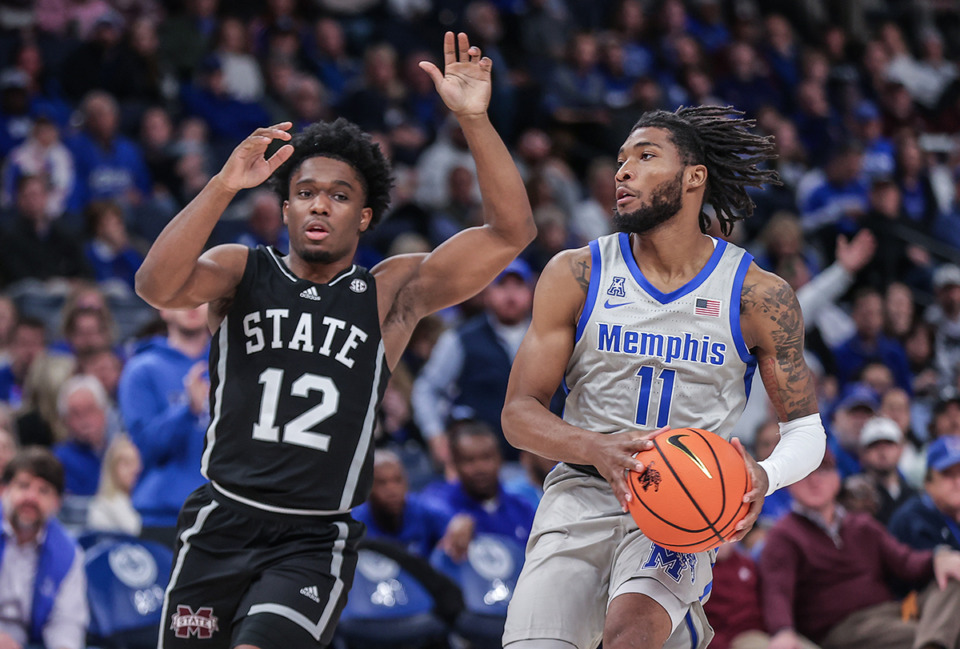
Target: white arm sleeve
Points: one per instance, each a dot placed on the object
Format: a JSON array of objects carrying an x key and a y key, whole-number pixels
[{"x": 798, "y": 453}]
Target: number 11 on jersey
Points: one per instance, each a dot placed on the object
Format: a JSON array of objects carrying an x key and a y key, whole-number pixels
[{"x": 666, "y": 377}]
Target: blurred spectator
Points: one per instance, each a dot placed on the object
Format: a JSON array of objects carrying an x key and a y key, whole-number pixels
[
  {"x": 574, "y": 96},
  {"x": 546, "y": 28},
  {"x": 264, "y": 224},
  {"x": 308, "y": 102},
  {"x": 95, "y": 62},
  {"x": 15, "y": 118},
  {"x": 8, "y": 321},
  {"x": 111, "y": 509},
  {"x": 241, "y": 72},
  {"x": 879, "y": 154},
  {"x": 913, "y": 178},
  {"x": 8, "y": 441},
  {"x": 946, "y": 228},
  {"x": 899, "y": 310},
  {"x": 436, "y": 162},
  {"x": 229, "y": 120},
  {"x": 708, "y": 26},
  {"x": 824, "y": 576},
  {"x": 944, "y": 315},
  {"x": 946, "y": 418},
  {"x": 855, "y": 408},
  {"x": 85, "y": 329},
  {"x": 919, "y": 346},
  {"x": 746, "y": 86},
  {"x": 186, "y": 37},
  {"x": 141, "y": 77},
  {"x": 164, "y": 402},
  {"x": 777, "y": 504},
  {"x": 477, "y": 491},
  {"x": 592, "y": 217},
  {"x": 529, "y": 484},
  {"x": 332, "y": 63},
  {"x": 392, "y": 512},
  {"x": 895, "y": 405},
  {"x": 932, "y": 518},
  {"x": 42, "y": 581},
  {"x": 835, "y": 203},
  {"x": 104, "y": 364},
  {"x": 38, "y": 419},
  {"x": 27, "y": 343},
  {"x": 896, "y": 258},
  {"x": 109, "y": 166},
  {"x": 41, "y": 155},
  {"x": 469, "y": 366},
  {"x": 870, "y": 344},
  {"x": 782, "y": 52},
  {"x": 734, "y": 609},
  {"x": 108, "y": 249},
  {"x": 157, "y": 143},
  {"x": 82, "y": 404},
  {"x": 881, "y": 446},
  {"x": 35, "y": 245}
]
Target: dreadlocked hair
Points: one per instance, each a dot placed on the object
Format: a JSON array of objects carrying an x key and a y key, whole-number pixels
[
  {"x": 718, "y": 138},
  {"x": 345, "y": 141}
]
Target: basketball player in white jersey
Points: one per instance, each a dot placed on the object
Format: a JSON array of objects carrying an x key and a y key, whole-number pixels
[{"x": 659, "y": 326}]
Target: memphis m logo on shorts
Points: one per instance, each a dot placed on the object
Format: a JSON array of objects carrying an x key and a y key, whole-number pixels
[
  {"x": 186, "y": 623},
  {"x": 672, "y": 563}
]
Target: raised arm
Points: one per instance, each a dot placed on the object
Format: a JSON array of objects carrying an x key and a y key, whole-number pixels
[
  {"x": 470, "y": 260},
  {"x": 174, "y": 274},
  {"x": 773, "y": 330},
  {"x": 538, "y": 369}
]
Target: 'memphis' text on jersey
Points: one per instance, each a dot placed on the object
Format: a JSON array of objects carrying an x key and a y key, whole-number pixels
[{"x": 686, "y": 347}]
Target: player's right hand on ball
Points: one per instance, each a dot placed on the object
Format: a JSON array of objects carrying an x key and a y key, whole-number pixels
[
  {"x": 614, "y": 455},
  {"x": 247, "y": 167}
]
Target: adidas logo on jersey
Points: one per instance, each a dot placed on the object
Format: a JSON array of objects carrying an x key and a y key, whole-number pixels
[
  {"x": 311, "y": 294},
  {"x": 311, "y": 592}
]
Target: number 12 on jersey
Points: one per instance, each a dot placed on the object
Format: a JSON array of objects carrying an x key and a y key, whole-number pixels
[
  {"x": 297, "y": 431},
  {"x": 666, "y": 378}
]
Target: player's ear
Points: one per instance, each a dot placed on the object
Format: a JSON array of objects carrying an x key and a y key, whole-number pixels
[
  {"x": 696, "y": 176},
  {"x": 366, "y": 215},
  {"x": 283, "y": 210}
]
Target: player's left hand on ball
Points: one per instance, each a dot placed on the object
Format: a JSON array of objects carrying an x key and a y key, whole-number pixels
[
  {"x": 758, "y": 491},
  {"x": 614, "y": 455}
]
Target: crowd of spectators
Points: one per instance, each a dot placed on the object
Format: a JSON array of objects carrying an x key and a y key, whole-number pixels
[{"x": 115, "y": 113}]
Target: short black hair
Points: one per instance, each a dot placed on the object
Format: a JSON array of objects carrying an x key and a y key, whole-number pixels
[
  {"x": 719, "y": 138},
  {"x": 463, "y": 428},
  {"x": 345, "y": 141},
  {"x": 37, "y": 461}
]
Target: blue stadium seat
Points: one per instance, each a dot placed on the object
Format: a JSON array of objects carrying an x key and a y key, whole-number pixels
[
  {"x": 388, "y": 607},
  {"x": 126, "y": 578},
  {"x": 487, "y": 578}
]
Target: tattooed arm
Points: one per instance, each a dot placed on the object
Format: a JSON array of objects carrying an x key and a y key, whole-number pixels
[
  {"x": 773, "y": 330},
  {"x": 538, "y": 369},
  {"x": 772, "y": 327}
]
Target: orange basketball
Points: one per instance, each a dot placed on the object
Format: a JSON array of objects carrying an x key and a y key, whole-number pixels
[{"x": 690, "y": 497}]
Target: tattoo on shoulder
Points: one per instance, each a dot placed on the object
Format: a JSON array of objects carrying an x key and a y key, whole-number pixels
[
  {"x": 786, "y": 375},
  {"x": 581, "y": 273}
]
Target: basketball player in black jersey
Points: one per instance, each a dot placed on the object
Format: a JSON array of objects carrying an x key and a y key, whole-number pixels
[{"x": 303, "y": 346}]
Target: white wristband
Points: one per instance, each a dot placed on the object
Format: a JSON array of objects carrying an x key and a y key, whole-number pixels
[{"x": 798, "y": 453}]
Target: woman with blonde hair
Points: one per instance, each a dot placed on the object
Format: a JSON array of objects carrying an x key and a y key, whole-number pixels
[{"x": 111, "y": 510}]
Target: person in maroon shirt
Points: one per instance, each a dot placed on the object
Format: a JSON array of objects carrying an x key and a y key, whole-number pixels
[{"x": 824, "y": 575}]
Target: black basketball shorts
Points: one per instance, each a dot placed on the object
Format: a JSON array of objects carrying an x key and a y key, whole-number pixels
[{"x": 246, "y": 576}]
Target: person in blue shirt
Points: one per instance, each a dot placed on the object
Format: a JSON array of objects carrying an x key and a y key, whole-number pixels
[
  {"x": 394, "y": 513},
  {"x": 163, "y": 399},
  {"x": 108, "y": 165},
  {"x": 870, "y": 345},
  {"x": 932, "y": 518},
  {"x": 82, "y": 404},
  {"x": 477, "y": 491}
]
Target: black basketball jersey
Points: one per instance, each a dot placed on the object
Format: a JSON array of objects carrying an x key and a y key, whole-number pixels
[{"x": 297, "y": 371}]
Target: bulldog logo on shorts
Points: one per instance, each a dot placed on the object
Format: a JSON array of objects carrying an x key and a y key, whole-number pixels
[{"x": 186, "y": 623}]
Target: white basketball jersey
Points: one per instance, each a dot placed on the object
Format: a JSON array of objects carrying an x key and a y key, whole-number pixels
[{"x": 645, "y": 359}]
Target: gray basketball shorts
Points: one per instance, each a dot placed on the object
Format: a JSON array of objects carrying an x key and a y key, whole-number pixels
[{"x": 583, "y": 552}]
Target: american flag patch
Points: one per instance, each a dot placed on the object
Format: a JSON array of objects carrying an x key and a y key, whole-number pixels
[{"x": 707, "y": 307}]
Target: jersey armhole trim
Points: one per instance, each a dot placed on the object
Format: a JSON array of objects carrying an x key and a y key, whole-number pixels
[
  {"x": 735, "y": 298},
  {"x": 592, "y": 290}
]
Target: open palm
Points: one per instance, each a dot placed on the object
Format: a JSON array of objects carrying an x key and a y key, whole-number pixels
[{"x": 464, "y": 85}]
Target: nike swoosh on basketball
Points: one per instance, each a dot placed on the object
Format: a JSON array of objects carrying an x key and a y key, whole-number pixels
[
  {"x": 609, "y": 305},
  {"x": 674, "y": 440}
]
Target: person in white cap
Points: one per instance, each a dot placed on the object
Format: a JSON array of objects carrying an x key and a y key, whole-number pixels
[
  {"x": 881, "y": 444},
  {"x": 932, "y": 519}
]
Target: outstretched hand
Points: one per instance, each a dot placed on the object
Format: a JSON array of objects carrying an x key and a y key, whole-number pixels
[
  {"x": 464, "y": 85},
  {"x": 615, "y": 455},
  {"x": 247, "y": 167}
]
